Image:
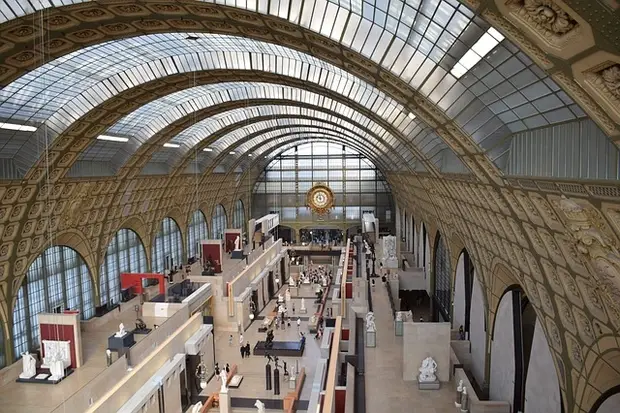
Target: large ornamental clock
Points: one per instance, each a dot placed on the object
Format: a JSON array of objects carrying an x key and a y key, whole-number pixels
[{"x": 320, "y": 199}]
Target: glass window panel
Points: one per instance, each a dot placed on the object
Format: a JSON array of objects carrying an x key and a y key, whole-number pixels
[{"x": 57, "y": 278}]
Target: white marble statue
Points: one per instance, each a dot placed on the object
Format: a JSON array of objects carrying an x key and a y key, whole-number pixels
[
  {"x": 121, "y": 330},
  {"x": 29, "y": 366},
  {"x": 223, "y": 380},
  {"x": 427, "y": 371},
  {"x": 399, "y": 316},
  {"x": 237, "y": 243},
  {"x": 287, "y": 296},
  {"x": 57, "y": 367},
  {"x": 303, "y": 303},
  {"x": 291, "y": 281},
  {"x": 260, "y": 406},
  {"x": 281, "y": 310},
  {"x": 197, "y": 407},
  {"x": 370, "y": 322}
]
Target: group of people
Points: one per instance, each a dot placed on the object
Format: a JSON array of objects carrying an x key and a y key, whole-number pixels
[
  {"x": 217, "y": 370},
  {"x": 245, "y": 350}
]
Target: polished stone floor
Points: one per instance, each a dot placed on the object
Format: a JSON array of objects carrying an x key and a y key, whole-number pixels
[{"x": 386, "y": 391}]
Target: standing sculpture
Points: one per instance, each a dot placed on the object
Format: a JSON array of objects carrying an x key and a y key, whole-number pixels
[
  {"x": 459, "y": 390},
  {"x": 121, "y": 330},
  {"x": 237, "y": 243},
  {"x": 370, "y": 322},
  {"x": 29, "y": 366},
  {"x": 224, "y": 380},
  {"x": 260, "y": 406},
  {"x": 464, "y": 401}
]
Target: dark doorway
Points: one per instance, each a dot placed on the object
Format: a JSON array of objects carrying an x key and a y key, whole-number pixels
[{"x": 270, "y": 282}]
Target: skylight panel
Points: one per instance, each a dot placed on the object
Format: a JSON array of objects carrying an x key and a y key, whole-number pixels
[{"x": 489, "y": 40}]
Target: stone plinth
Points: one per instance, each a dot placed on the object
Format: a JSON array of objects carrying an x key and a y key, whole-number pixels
[{"x": 225, "y": 402}]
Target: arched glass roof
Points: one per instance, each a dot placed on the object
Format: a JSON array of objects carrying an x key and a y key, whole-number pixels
[
  {"x": 277, "y": 116},
  {"x": 438, "y": 47}
]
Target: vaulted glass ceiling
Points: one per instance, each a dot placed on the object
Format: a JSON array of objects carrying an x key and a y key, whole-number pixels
[{"x": 420, "y": 41}]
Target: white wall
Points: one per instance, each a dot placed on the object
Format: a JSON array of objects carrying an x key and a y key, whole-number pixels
[
  {"x": 501, "y": 386},
  {"x": 542, "y": 389},
  {"x": 611, "y": 405},
  {"x": 422, "y": 340},
  {"x": 427, "y": 265},
  {"x": 477, "y": 335},
  {"x": 458, "y": 318}
]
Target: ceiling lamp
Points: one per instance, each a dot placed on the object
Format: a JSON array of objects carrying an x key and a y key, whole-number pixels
[
  {"x": 411, "y": 115},
  {"x": 112, "y": 138},
  {"x": 208, "y": 150},
  {"x": 15, "y": 126},
  {"x": 171, "y": 145},
  {"x": 232, "y": 152}
]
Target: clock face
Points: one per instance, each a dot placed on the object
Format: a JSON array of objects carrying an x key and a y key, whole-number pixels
[{"x": 320, "y": 199}]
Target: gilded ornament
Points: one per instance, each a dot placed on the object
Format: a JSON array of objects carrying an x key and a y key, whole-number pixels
[{"x": 611, "y": 80}]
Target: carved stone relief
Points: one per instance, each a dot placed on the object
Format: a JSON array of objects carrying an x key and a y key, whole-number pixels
[
  {"x": 570, "y": 286},
  {"x": 592, "y": 298},
  {"x": 552, "y": 247},
  {"x": 553, "y": 26},
  {"x": 566, "y": 315},
  {"x": 552, "y": 277},
  {"x": 537, "y": 242},
  {"x": 554, "y": 334}
]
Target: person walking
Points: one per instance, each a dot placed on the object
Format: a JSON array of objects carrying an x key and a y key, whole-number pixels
[
  {"x": 247, "y": 349},
  {"x": 230, "y": 340},
  {"x": 241, "y": 339},
  {"x": 298, "y": 324},
  {"x": 242, "y": 351}
]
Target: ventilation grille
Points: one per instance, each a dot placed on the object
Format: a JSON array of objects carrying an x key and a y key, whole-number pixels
[
  {"x": 572, "y": 188},
  {"x": 604, "y": 191},
  {"x": 547, "y": 186}
]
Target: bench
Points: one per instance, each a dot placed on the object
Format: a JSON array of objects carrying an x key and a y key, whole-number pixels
[{"x": 293, "y": 396}]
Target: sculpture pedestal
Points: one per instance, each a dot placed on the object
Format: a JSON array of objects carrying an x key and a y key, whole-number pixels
[
  {"x": 391, "y": 263},
  {"x": 225, "y": 404},
  {"x": 371, "y": 339},
  {"x": 292, "y": 383},
  {"x": 303, "y": 311},
  {"x": 398, "y": 327},
  {"x": 237, "y": 255},
  {"x": 428, "y": 385}
]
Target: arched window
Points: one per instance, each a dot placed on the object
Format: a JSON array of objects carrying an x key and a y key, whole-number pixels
[
  {"x": 168, "y": 245},
  {"x": 238, "y": 215},
  {"x": 196, "y": 232},
  {"x": 125, "y": 254},
  {"x": 441, "y": 293},
  {"x": 58, "y": 278},
  {"x": 218, "y": 222}
]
